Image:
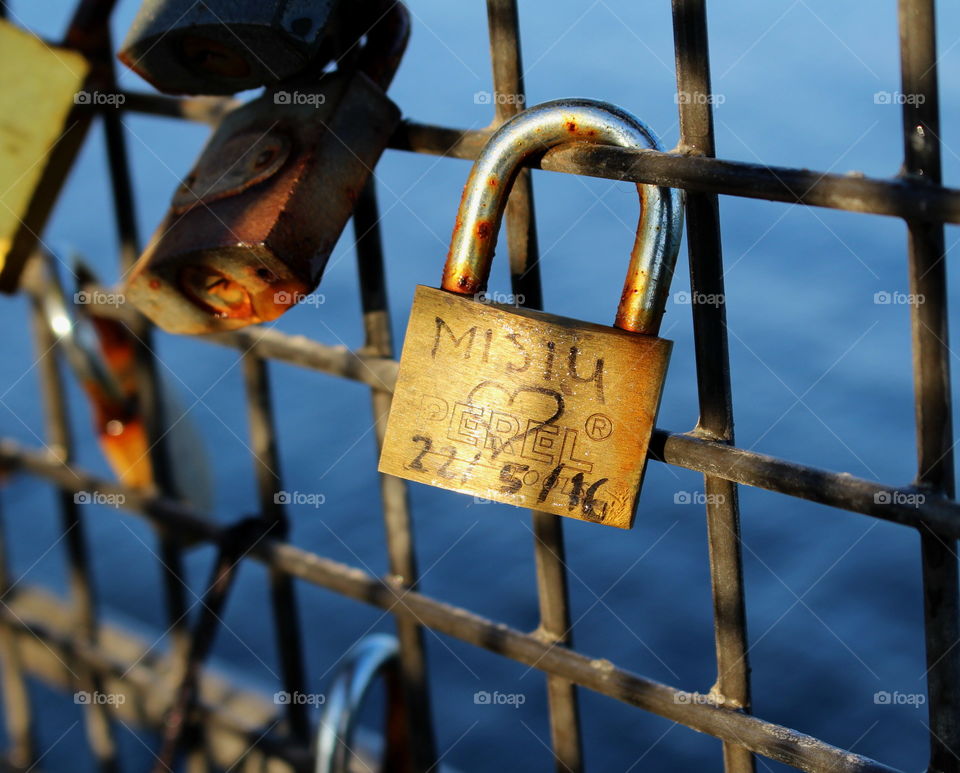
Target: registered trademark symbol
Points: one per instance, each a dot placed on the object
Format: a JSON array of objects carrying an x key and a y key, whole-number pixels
[{"x": 598, "y": 426}]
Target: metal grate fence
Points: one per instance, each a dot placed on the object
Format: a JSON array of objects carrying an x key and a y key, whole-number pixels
[{"x": 915, "y": 195}]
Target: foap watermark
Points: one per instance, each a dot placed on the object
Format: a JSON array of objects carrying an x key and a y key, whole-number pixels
[
  {"x": 695, "y": 697},
  {"x": 489, "y": 499},
  {"x": 99, "y": 98},
  {"x": 898, "y": 98},
  {"x": 698, "y": 498},
  {"x": 495, "y": 698},
  {"x": 698, "y": 98},
  {"x": 896, "y": 698},
  {"x": 98, "y": 298},
  {"x": 287, "y": 298},
  {"x": 897, "y": 298},
  {"x": 99, "y": 498},
  {"x": 902, "y": 498},
  {"x": 299, "y": 498},
  {"x": 498, "y": 98},
  {"x": 504, "y": 299},
  {"x": 312, "y": 98},
  {"x": 84, "y": 698},
  {"x": 284, "y": 698},
  {"x": 684, "y": 298}
]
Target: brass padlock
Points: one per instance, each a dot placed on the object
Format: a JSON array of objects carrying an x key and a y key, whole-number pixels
[
  {"x": 523, "y": 407},
  {"x": 251, "y": 228},
  {"x": 40, "y": 132},
  {"x": 226, "y": 46}
]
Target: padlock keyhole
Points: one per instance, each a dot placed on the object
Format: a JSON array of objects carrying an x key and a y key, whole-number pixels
[
  {"x": 206, "y": 55},
  {"x": 212, "y": 290}
]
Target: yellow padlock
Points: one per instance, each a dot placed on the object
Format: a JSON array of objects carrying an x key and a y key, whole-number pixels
[
  {"x": 41, "y": 86},
  {"x": 524, "y": 407}
]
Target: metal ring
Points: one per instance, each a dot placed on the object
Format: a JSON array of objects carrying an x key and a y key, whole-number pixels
[
  {"x": 371, "y": 656},
  {"x": 536, "y": 130},
  {"x": 73, "y": 332}
]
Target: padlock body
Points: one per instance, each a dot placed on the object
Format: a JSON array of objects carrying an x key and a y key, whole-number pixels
[
  {"x": 523, "y": 407},
  {"x": 41, "y": 128},
  {"x": 250, "y": 230},
  {"x": 189, "y": 47}
]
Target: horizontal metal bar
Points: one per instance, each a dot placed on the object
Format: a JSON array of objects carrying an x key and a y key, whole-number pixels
[
  {"x": 899, "y": 197},
  {"x": 370, "y": 369},
  {"x": 774, "y": 741},
  {"x": 909, "y": 198},
  {"x": 835, "y": 489},
  {"x": 207, "y": 110}
]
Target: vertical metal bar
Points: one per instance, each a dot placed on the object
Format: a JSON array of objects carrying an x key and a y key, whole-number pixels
[
  {"x": 16, "y": 699},
  {"x": 178, "y": 727},
  {"x": 148, "y": 393},
  {"x": 931, "y": 366},
  {"x": 267, "y": 467},
  {"x": 713, "y": 373},
  {"x": 396, "y": 509},
  {"x": 549, "y": 551},
  {"x": 149, "y": 399},
  {"x": 82, "y": 594}
]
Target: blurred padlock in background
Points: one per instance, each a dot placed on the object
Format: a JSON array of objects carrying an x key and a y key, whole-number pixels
[{"x": 226, "y": 46}]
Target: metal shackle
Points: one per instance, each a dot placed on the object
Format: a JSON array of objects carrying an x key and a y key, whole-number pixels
[{"x": 536, "y": 130}]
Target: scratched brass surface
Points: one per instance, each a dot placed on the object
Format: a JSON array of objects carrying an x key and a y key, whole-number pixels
[
  {"x": 39, "y": 87},
  {"x": 523, "y": 407}
]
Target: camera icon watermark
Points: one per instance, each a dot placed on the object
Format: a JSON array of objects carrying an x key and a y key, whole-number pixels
[
  {"x": 98, "y": 298},
  {"x": 312, "y": 98},
  {"x": 489, "y": 499},
  {"x": 84, "y": 698},
  {"x": 299, "y": 498},
  {"x": 495, "y": 698},
  {"x": 503, "y": 299},
  {"x": 287, "y": 298},
  {"x": 99, "y": 498},
  {"x": 895, "y": 698},
  {"x": 687, "y": 698},
  {"x": 99, "y": 98},
  {"x": 901, "y": 498},
  {"x": 898, "y": 98},
  {"x": 684, "y": 298},
  {"x": 497, "y": 98},
  {"x": 698, "y": 498},
  {"x": 698, "y": 98},
  {"x": 896, "y": 298},
  {"x": 284, "y": 698}
]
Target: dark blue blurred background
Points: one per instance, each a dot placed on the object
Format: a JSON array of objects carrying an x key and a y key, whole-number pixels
[{"x": 821, "y": 375}]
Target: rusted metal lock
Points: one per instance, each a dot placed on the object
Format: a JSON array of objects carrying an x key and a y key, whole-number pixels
[
  {"x": 520, "y": 406},
  {"x": 226, "y": 46},
  {"x": 251, "y": 228}
]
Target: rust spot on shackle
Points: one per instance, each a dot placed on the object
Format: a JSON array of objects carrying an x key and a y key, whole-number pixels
[{"x": 531, "y": 133}]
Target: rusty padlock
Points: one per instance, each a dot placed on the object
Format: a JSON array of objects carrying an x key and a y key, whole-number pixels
[
  {"x": 252, "y": 226},
  {"x": 523, "y": 407},
  {"x": 226, "y": 46}
]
